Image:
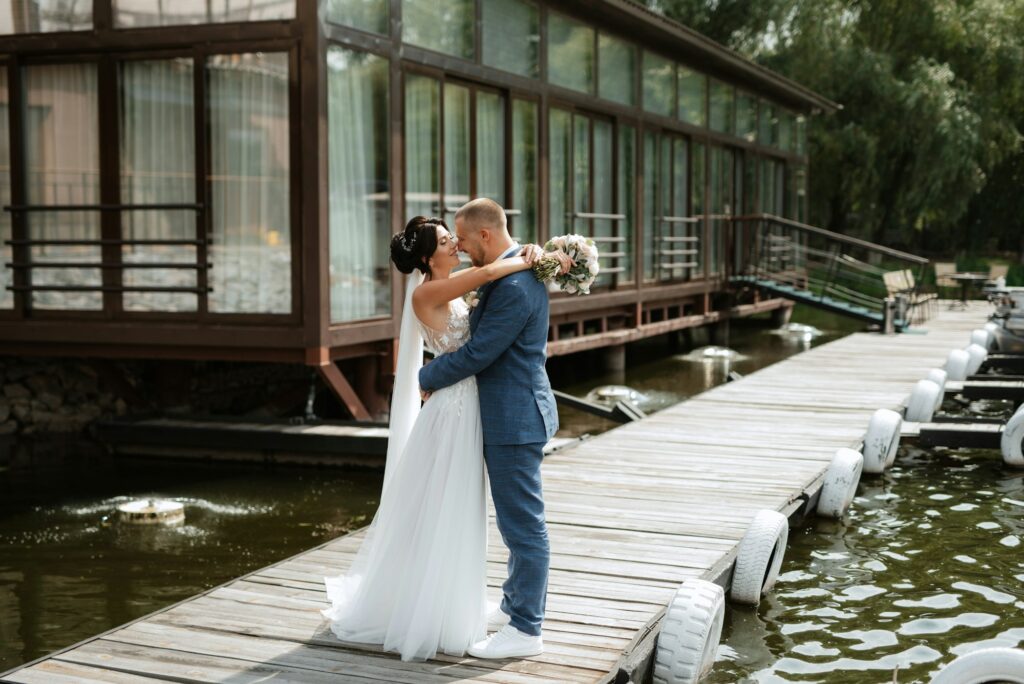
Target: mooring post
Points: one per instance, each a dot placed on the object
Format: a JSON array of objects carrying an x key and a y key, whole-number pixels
[
  {"x": 888, "y": 316},
  {"x": 615, "y": 358}
]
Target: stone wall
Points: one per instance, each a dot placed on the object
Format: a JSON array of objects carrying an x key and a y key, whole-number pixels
[
  {"x": 46, "y": 395},
  {"x": 66, "y": 395}
]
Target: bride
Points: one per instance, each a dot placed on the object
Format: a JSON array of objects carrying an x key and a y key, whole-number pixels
[{"x": 418, "y": 582}]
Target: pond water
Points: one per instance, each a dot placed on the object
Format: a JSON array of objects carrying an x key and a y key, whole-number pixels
[
  {"x": 926, "y": 565},
  {"x": 66, "y": 573},
  {"x": 907, "y": 579}
]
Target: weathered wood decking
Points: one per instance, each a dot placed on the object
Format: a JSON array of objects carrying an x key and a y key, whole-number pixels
[{"x": 632, "y": 513}]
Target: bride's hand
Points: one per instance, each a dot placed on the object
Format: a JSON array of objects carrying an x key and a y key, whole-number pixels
[
  {"x": 424, "y": 395},
  {"x": 531, "y": 253},
  {"x": 564, "y": 259}
]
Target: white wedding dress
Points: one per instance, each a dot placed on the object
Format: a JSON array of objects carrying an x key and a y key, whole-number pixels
[{"x": 418, "y": 583}]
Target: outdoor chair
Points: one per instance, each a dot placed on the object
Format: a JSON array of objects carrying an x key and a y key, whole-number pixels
[{"x": 944, "y": 269}]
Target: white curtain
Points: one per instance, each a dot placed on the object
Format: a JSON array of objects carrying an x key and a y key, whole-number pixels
[
  {"x": 359, "y": 196},
  {"x": 422, "y": 179},
  {"x": 136, "y": 13},
  {"x": 62, "y": 156},
  {"x": 490, "y": 146},
  {"x": 158, "y": 166},
  {"x": 249, "y": 146},
  {"x": 37, "y": 16},
  {"x": 6, "y": 274}
]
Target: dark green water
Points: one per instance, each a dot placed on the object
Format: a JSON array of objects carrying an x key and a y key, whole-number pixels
[
  {"x": 66, "y": 575},
  {"x": 926, "y": 565}
]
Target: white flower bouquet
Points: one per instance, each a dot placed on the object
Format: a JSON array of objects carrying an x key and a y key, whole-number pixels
[{"x": 583, "y": 251}]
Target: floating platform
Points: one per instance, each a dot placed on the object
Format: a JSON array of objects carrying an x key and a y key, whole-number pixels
[{"x": 632, "y": 513}]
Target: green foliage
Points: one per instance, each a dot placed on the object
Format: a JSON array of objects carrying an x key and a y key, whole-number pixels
[
  {"x": 1015, "y": 276},
  {"x": 926, "y": 151}
]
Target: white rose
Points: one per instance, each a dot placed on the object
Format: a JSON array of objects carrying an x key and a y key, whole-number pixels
[
  {"x": 594, "y": 268},
  {"x": 570, "y": 288}
]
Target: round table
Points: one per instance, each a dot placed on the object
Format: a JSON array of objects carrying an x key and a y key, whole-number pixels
[{"x": 966, "y": 280}]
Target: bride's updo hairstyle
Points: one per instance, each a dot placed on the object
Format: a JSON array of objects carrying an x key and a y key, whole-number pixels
[{"x": 411, "y": 248}]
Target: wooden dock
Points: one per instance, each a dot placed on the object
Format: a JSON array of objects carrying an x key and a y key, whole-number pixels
[{"x": 632, "y": 513}]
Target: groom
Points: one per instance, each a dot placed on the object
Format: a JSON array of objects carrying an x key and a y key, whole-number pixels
[{"x": 506, "y": 353}]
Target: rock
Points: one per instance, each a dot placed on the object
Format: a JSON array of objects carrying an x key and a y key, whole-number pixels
[
  {"x": 21, "y": 409},
  {"x": 8, "y": 427},
  {"x": 16, "y": 390},
  {"x": 44, "y": 384},
  {"x": 52, "y": 401}
]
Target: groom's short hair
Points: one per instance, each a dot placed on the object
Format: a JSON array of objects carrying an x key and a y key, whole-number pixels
[{"x": 482, "y": 213}]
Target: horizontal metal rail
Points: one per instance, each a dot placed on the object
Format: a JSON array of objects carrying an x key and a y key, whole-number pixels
[
  {"x": 23, "y": 208},
  {"x": 106, "y": 265}
]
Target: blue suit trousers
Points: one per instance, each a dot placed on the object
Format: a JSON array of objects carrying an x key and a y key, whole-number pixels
[{"x": 514, "y": 472}]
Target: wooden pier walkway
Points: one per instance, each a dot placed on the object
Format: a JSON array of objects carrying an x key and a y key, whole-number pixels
[{"x": 632, "y": 513}]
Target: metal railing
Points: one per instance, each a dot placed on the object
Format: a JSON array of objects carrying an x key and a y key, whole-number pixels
[
  {"x": 27, "y": 264},
  {"x": 821, "y": 263}
]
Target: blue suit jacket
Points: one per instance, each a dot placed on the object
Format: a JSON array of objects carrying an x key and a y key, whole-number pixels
[{"x": 506, "y": 353}]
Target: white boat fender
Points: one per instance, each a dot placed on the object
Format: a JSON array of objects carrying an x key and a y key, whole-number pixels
[
  {"x": 759, "y": 557},
  {"x": 939, "y": 377},
  {"x": 922, "y": 402},
  {"x": 882, "y": 440},
  {"x": 985, "y": 666},
  {"x": 1011, "y": 443},
  {"x": 690, "y": 633},
  {"x": 840, "y": 485},
  {"x": 956, "y": 365},
  {"x": 977, "y": 354},
  {"x": 982, "y": 337}
]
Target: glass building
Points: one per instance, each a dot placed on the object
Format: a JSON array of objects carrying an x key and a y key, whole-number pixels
[{"x": 220, "y": 178}]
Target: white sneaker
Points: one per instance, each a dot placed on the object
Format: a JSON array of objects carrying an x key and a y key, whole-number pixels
[
  {"x": 496, "y": 617},
  {"x": 507, "y": 642}
]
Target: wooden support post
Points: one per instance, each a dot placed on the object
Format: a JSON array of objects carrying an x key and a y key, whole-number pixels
[{"x": 335, "y": 380}]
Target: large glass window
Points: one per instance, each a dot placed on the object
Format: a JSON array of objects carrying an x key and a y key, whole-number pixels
[
  {"x": 249, "y": 183},
  {"x": 722, "y": 204},
  {"x": 560, "y": 169},
  {"x": 787, "y": 139},
  {"x": 583, "y": 198},
  {"x": 617, "y": 69},
  {"x": 721, "y": 116},
  {"x": 768, "y": 125},
  {"x": 693, "y": 95},
  {"x": 746, "y": 116},
  {"x": 158, "y": 167},
  {"x": 801, "y": 134},
  {"x": 445, "y": 27},
  {"x": 467, "y": 141},
  {"x": 626, "y": 203},
  {"x": 651, "y": 211},
  {"x": 490, "y": 146},
  {"x": 422, "y": 146},
  {"x": 359, "y": 206},
  {"x": 659, "y": 84},
  {"x": 457, "y": 143},
  {"x": 136, "y": 13},
  {"x": 62, "y": 159},
  {"x": 523, "y": 212},
  {"x": 42, "y": 16},
  {"x": 6, "y": 253},
  {"x": 511, "y": 36},
  {"x": 367, "y": 15},
  {"x": 570, "y": 53},
  {"x": 697, "y": 188}
]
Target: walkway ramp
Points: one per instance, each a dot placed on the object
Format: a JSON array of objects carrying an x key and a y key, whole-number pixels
[
  {"x": 829, "y": 271},
  {"x": 632, "y": 513}
]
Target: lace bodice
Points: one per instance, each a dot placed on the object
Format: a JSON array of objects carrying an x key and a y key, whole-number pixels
[{"x": 455, "y": 334}]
